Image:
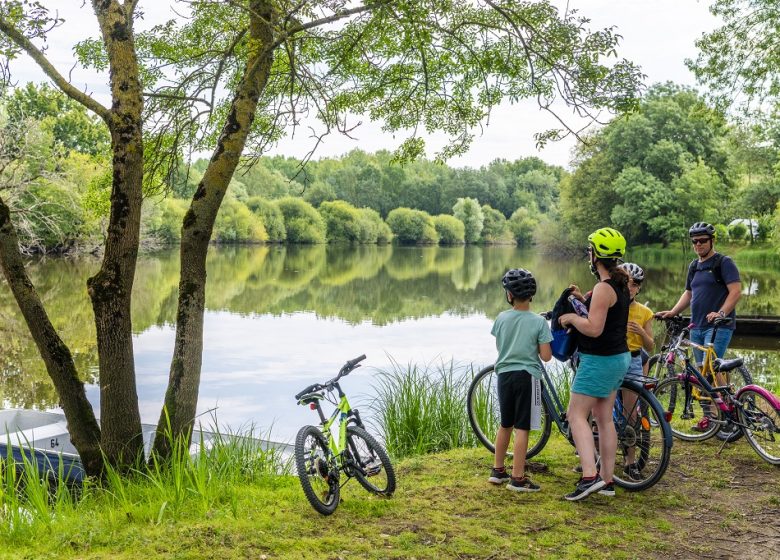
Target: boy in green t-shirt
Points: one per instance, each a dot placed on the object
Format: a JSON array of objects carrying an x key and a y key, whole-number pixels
[{"x": 522, "y": 337}]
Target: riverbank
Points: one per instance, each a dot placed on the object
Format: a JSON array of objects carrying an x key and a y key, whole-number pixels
[{"x": 706, "y": 506}]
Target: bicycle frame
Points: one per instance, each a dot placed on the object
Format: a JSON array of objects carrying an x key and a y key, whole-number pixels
[
  {"x": 558, "y": 414},
  {"x": 342, "y": 412}
]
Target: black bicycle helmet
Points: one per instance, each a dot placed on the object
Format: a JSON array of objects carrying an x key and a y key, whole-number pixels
[
  {"x": 701, "y": 228},
  {"x": 634, "y": 271},
  {"x": 520, "y": 283}
]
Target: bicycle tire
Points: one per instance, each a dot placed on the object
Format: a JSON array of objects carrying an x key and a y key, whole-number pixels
[
  {"x": 369, "y": 462},
  {"x": 643, "y": 429},
  {"x": 484, "y": 417},
  {"x": 685, "y": 417},
  {"x": 317, "y": 470},
  {"x": 761, "y": 425},
  {"x": 739, "y": 378}
]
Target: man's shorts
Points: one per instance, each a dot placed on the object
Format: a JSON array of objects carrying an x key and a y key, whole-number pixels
[
  {"x": 598, "y": 376},
  {"x": 514, "y": 399}
]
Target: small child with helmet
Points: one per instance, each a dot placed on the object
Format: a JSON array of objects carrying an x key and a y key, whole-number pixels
[
  {"x": 640, "y": 317},
  {"x": 522, "y": 337}
]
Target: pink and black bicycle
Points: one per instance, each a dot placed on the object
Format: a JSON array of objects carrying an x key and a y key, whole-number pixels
[{"x": 698, "y": 410}]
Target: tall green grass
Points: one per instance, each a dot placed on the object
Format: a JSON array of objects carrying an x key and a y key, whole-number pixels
[
  {"x": 422, "y": 409},
  {"x": 186, "y": 484}
]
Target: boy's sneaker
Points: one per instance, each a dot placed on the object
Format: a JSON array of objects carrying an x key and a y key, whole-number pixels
[
  {"x": 585, "y": 488},
  {"x": 608, "y": 490},
  {"x": 523, "y": 485},
  {"x": 499, "y": 477}
]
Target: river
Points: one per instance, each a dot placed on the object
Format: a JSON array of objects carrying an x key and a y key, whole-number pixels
[{"x": 279, "y": 318}]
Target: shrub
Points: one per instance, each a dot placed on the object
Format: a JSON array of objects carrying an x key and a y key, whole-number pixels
[
  {"x": 450, "y": 229},
  {"x": 738, "y": 232},
  {"x": 468, "y": 211},
  {"x": 494, "y": 224},
  {"x": 342, "y": 221},
  {"x": 721, "y": 232},
  {"x": 373, "y": 228},
  {"x": 412, "y": 226},
  {"x": 522, "y": 224},
  {"x": 271, "y": 215},
  {"x": 236, "y": 223},
  {"x": 301, "y": 220}
]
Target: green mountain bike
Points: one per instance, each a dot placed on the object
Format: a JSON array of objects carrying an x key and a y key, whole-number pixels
[{"x": 322, "y": 457}]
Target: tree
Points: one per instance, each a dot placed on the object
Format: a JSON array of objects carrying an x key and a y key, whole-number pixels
[
  {"x": 631, "y": 170},
  {"x": 435, "y": 65},
  {"x": 468, "y": 211}
]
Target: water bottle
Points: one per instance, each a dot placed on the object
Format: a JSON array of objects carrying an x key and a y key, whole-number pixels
[{"x": 579, "y": 307}]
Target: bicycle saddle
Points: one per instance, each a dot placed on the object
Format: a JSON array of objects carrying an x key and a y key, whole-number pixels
[{"x": 726, "y": 365}]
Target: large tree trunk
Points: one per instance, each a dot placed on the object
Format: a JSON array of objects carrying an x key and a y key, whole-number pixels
[
  {"x": 181, "y": 398},
  {"x": 111, "y": 288},
  {"x": 84, "y": 429}
]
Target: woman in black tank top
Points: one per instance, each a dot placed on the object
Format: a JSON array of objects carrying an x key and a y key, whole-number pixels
[{"x": 604, "y": 360}]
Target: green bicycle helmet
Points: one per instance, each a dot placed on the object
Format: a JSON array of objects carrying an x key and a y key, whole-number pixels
[{"x": 607, "y": 243}]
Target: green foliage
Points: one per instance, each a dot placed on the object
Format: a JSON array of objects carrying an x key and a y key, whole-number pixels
[
  {"x": 738, "y": 232},
  {"x": 721, "y": 231},
  {"x": 237, "y": 224},
  {"x": 450, "y": 229},
  {"x": 164, "y": 219},
  {"x": 412, "y": 226},
  {"x": 72, "y": 127},
  {"x": 271, "y": 216},
  {"x": 653, "y": 173},
  {"x": 522, "y": 224},
  {"x": 302, "y": 221},
  {"x": 494, "y": 224},
  {"x": 468, "y": 211},
  {"x": 373, "y": 228},
  {"x": 342, "y": 221}
]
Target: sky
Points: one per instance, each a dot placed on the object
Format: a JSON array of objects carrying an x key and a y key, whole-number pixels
[{"x": 658, "y": 35}]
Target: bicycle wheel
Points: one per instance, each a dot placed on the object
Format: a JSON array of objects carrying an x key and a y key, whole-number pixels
[
  {"x": 761, "y": 421},
  {"x": 485, "y": 418},
  {"x": 643, "y": 452},
  {"x": 739, "y": 377},
  {"x": 694, "y": 416},
  {"x": 368, "y": 462},
  {"x": 317, "y": 470},
  {"x": 655, "y": 366}
]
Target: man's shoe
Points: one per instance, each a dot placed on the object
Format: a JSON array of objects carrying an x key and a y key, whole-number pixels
[
  {"x": 499, "y": 477},
  {"x": 522, "y": 485},
  {"x": 608, "y": 490},
  {"x": 585, "y": 488}
]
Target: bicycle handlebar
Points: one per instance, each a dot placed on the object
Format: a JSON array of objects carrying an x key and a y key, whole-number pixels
[{"x": 345, "y": 369}]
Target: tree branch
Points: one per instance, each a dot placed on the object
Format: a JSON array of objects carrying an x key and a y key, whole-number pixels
[{"x": 37, "y": 55}]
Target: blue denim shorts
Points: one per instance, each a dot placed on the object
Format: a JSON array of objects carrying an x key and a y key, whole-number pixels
[
  {"x": 703, "y": 336},
  {"x": 598, "y": 376},
  {"x": 635, "y": 365}
]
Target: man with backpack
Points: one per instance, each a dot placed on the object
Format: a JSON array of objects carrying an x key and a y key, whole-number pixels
[{"x": 712, "y": 289}]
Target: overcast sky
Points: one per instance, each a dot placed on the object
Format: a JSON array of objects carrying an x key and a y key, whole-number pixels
[{"x": 657, "y": 34}]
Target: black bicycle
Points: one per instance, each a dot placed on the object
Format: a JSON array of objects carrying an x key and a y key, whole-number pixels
[
  {"x": 644, "y": 435},
  {"x": 321, "y": 456}
]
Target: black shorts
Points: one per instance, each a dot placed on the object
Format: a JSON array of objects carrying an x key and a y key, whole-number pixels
[{"x": 514, "y": 399}]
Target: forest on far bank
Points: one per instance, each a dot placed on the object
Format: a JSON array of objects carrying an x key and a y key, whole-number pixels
[{"x": 676, "y": 160}]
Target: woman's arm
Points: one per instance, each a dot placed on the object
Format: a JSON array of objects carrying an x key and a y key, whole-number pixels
[{"x": 603, "y": 298}]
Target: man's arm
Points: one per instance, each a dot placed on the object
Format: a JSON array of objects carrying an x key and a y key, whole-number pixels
[
  {"x": 682, "y": 304},
  {"x": 735, "y": 292}
]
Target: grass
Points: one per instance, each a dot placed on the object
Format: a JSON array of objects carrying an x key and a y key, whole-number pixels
[
  {"x": 420, "y": 409},
  {"x": 443, "y": 508},
  {"x": 31, "y": 506}
]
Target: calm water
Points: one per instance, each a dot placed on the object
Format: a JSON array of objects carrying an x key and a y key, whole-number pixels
[{"x": 280, "y": 318}]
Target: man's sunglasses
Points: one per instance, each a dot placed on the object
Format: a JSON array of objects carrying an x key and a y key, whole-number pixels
[{"x": 700, "y": 241}]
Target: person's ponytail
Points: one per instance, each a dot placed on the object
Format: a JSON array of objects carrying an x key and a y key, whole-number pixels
[{"x": 616, "y": 273}]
